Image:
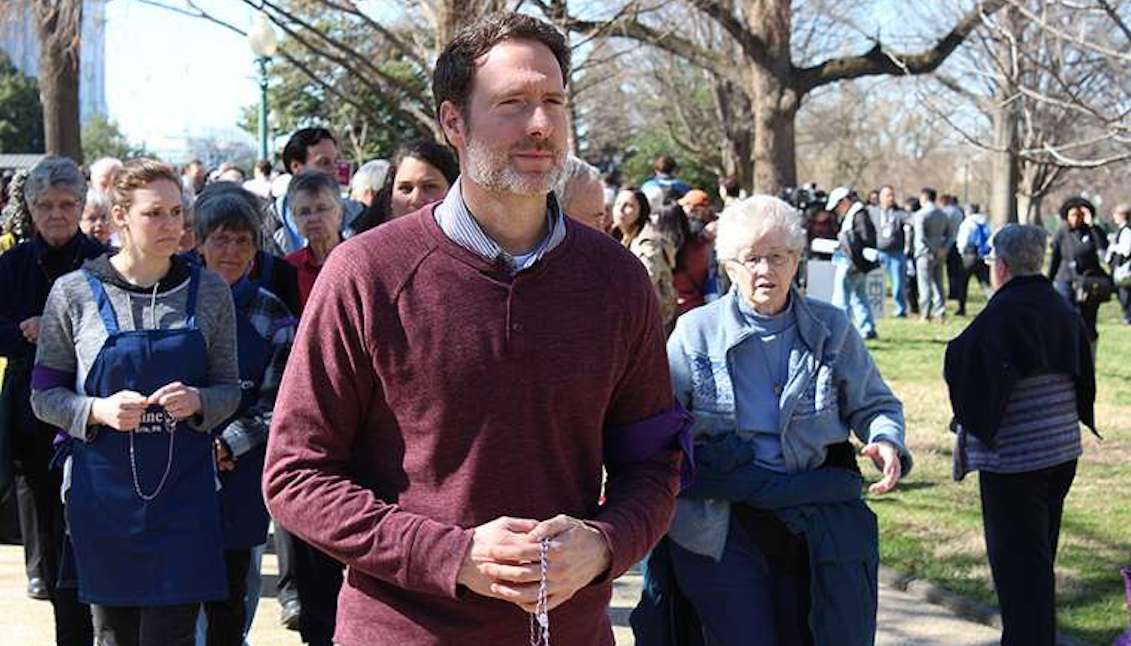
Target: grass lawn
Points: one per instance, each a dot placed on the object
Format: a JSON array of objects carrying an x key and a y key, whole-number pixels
[{"x": 931, "y": 527}]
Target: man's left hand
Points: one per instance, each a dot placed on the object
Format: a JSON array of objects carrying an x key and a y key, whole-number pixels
[
  {"x": 578, "y": 554},
  {"x": 886, "y": 458}
]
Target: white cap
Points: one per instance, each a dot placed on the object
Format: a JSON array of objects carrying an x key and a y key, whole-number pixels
[{"x": 838, "y": 194}]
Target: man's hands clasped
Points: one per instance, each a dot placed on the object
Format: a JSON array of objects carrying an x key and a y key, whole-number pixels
[{"x": 504, "y": 560}]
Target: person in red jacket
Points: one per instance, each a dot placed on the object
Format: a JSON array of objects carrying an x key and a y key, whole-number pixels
[{"x": 465, "y": 374}]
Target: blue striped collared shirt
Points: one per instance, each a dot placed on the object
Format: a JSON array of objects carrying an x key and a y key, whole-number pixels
[{"x": 458, "y": 223}]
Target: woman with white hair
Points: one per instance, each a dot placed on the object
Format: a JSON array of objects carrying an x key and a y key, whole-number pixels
[
  {"x": 773, "y": 543},
  {"x": 54, "y": 194}
]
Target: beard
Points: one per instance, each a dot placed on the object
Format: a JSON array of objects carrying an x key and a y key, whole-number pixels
[{"x": 493, "y": 169}]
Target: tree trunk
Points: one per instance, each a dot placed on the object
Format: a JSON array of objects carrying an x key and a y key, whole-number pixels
[
  {"x": 732, "y": 107},
  {"x": 452, "y": 15},
  {"x": 775, "y": 110},
  {"x": 59, "y": 28},
  {"x": 1029, "y": 208},
  {"x": 774, "y": 101},
  {"x": 1003, "y": 165}
]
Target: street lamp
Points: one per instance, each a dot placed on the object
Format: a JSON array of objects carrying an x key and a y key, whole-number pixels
[{"x": 263, "y": 44}]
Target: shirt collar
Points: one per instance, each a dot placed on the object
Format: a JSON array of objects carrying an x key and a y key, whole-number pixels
[{"x": 459, "y": 224}]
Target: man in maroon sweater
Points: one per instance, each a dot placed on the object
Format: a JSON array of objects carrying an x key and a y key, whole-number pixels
[{"x": 462, "y": 375}]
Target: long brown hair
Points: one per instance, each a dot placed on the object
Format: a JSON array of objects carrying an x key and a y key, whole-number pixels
[{"x": 643, "y": 212}]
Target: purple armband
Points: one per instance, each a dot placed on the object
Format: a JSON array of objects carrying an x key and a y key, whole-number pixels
[
  {"x": 44, "y": 378},
  {"x": 644, "y": 440}
]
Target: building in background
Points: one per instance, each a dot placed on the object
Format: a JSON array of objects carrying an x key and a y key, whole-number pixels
[{"x": 19, "y": 39}]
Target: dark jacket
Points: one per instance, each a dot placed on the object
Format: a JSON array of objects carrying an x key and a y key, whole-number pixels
[
  {"x": 822, "y": 507},
  {"x": 892, "y": 238},
  {"x": 859, "y": 236},
  {"x": 27, "y": 272},
  {"x": 1075, "y": 253},
  {"x": 1027, "y": 329},
  {"x": 277, "y": 276}
]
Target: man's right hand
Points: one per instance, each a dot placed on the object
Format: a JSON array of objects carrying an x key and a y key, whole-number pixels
[
  {"x": 489, "y": 545},
  {"x": 120, "y": 411}
]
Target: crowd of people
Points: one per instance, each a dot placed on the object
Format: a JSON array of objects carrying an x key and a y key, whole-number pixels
[{"x": 505, "y": 364}]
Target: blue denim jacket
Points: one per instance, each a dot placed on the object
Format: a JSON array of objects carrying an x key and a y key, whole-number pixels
[{"x": 833, "y": 387}]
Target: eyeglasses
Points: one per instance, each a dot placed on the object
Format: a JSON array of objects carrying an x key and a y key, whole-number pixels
[
  {"x": 775, "y": 260},
  {"x": 67, "y": 206},
  {"x": 242, "y": 243}
]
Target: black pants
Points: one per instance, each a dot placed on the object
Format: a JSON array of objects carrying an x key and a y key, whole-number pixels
[
  {"x": 1125, "y": 303},
  {"x": 147, "y": 626},
  {"x": 286, "y": 589},
  {"x": 1021, "y": 513},
  {"x": 315, "y": 580},
  {"x": 40, "y": 509},
  {"x": 73, "y": 624},
  {"x": 955, "y": 273},
  {"x": 226, "y": 618},
  {"x": 973, "y": 267},
  {"x": 1089, "y": 311}
]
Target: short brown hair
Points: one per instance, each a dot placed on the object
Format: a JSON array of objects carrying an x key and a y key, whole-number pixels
[
  {"x": 665, "y": 164},
  {"x": 455, "y": 69},
  {"x": 139, "y": 173}
]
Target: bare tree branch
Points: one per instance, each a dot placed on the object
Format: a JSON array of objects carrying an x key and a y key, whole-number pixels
[{"x": 879, "y": 61}]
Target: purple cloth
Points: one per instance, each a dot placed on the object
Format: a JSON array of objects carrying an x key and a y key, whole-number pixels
[
  {"x": 44, "y": 378},
  {"x": 648, "y": 438},
  {"x": 1125, "y": 638}
]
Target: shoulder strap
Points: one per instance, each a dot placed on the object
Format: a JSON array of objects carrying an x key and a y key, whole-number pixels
[
  {"x": 193, "y": 288},
  {"x": 266, "y": 268},
  {"x": 102, "y": 300}
]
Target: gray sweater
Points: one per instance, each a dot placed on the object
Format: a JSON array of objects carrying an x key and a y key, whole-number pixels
[{"x": 72, "y": 334}]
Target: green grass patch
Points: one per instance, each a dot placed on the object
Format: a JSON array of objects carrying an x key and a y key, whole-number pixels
[{"x": 931, "y": 526}]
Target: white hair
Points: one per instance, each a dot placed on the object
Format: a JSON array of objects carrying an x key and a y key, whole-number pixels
[
  {"x": 370, "y": 177},
  {"x": 745, "y": 222},
  {"x": 576, "y": 173},
  {"x": 54, "y": 172},
  {"x": 105, "y": 166},
  {"x": 96, "y": 199}
]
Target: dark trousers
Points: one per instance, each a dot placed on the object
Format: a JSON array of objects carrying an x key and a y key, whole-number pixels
[
  {"x": 226, "y": 618},
  {"x": 73, "y": 624},
  {"x": 315, "y": 580},
  {"x": 1089, "y": 311},
  {"x": 747, "y": 597},
  {"x": 1125, "y": 303},
  {"x": 1021, "y": 514},
  {"x": 973, "y": 267},
  {"x": 286, "y": 588},
  {"x": 40, "y": 509},
  {"x": 146, "y": 626},
  {"x": 955, "y": 273}
]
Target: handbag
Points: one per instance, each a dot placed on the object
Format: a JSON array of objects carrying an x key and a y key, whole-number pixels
[
  {"x": 1093, "y": 288},
  {"x": 1121, "y": 275}
]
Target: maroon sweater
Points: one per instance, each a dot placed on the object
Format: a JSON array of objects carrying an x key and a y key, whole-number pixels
[{"x": 428, "y": 392}]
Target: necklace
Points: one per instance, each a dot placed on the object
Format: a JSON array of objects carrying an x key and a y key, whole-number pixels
[
  {"x": 170, "y": 426},
  {"x": 772, "y": 371},
  {"x": 540, "y": 618}
]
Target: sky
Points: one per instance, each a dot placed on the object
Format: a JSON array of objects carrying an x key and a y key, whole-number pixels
[{"x": 170, "y": 76}]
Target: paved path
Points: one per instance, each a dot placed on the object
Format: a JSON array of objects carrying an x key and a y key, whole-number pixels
[{"x": 903, "y": 620}]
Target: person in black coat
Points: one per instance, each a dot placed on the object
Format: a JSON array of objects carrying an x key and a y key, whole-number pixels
[
  {"x": 1076, "y": 251},
  {"x": 1021, "y": 382},
  {"x": 55, "y": 192}
]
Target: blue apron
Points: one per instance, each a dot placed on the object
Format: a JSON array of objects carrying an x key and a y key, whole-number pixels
[
  {"x": 245, "y": 514},
  {"x": 143, "y": 510}
]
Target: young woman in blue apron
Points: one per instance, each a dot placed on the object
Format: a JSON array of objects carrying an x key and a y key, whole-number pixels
[
  {"x": 149, "y": 341},
  {"x": 226, "y": 219}
]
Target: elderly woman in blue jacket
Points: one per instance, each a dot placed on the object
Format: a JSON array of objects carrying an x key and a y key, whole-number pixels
[{"x": 773, "y": 544}]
